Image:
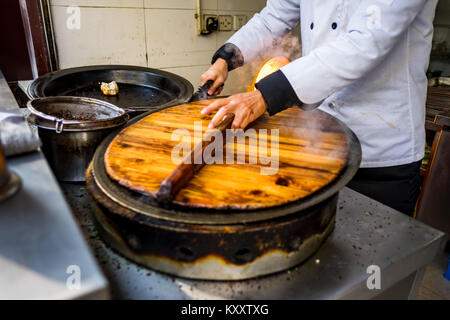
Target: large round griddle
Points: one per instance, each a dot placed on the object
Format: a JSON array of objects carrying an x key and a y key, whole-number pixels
[
  {"x": 140, "y": 88},
  {"x": 147, "y": 206},
  {"x": 214, "y": 243},
  {"x": 311, "y": 148}
]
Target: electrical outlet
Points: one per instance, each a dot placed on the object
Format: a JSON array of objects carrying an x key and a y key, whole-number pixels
[
  {"x": 239, "y": 21},
  {"x": 210, "y": 23},
  {"x": 225, "y": 23}
]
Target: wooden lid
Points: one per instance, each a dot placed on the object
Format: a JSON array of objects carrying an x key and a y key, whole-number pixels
[{"x": 313, "y": 149}]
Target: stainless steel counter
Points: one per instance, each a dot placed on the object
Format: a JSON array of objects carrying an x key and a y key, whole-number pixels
[
  {"x": 366, "y": 233},
  {"x": 39, "y": 237}
]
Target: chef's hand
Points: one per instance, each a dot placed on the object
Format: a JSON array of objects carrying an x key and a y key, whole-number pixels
[
  {"x": 246, "y": 108},
  {"x": 218, "y": 72}
]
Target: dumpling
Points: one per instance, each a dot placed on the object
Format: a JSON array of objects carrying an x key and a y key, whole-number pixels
[{"x": 109, "y": 89}]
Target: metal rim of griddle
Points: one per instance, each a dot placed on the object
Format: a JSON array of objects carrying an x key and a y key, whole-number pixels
[
  {"x": 147, "y": 206},
  {"x": 38, "y": 86}
]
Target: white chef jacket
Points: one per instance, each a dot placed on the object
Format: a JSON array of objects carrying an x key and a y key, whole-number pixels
[{"x": 367, "y": 61}]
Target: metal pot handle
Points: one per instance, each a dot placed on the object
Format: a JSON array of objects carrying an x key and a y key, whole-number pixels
[
  {"x": 128, "y": 110},
  {"x": 59, "y": 125},
  {"x": 59, "y": 121},
  {"x": 40, "y": 114}
]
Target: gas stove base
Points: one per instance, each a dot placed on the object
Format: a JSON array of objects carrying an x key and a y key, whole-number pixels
[{"x": 213, "y": 267}]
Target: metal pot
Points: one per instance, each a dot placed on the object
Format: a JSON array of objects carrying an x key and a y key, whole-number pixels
[{"x": 71, "y": 128}]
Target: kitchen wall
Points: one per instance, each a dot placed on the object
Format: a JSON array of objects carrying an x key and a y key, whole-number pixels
[{"x": 154, "y": 33}]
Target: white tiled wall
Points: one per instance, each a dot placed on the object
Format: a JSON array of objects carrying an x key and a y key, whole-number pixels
[
  {"x": 155, "y": 33},
  {"x": 172, "y": 40},
  {"x": 99, "y": 3},
  {"x": 180, "y": 4},
  {"x": 106, "y": 36}
]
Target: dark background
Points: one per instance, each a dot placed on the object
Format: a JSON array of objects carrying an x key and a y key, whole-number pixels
[{"x": 14, "y": 58}]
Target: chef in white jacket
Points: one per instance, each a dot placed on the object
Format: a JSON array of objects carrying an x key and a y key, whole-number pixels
[{"x": 364, "y": 62}]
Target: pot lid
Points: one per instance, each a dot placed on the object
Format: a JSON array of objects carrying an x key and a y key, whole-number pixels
[{"x": 75, "y": 113}]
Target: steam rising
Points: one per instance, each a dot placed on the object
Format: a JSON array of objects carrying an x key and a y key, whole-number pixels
[
  {"x": 305, "y": 128},
  {"x": 288, "y": 46}
]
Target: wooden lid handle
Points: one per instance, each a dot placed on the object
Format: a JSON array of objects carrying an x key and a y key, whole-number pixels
[{"x": 186, "y": 170}]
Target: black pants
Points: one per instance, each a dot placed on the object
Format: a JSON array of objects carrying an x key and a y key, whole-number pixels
[{"x": 397, "y": 187}]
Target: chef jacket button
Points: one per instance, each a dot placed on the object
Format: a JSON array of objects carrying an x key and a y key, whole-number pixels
[
  {"x": 331, "y": 105},
  {"x": 334, "y": 25},
  {"x": 312, "y": 25}
]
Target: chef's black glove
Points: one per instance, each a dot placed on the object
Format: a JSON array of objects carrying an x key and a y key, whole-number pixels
[
  {"x": 231, "y": 54},
  {"x": 277, "y": 92}
]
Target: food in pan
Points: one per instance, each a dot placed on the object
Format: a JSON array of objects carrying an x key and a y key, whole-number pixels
[{"x": 109, "y": 89}]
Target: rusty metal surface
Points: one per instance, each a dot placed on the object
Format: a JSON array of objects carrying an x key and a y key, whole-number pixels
[
  {"x": 212, "y": 251},
  {"x": 366, "y": 233}
]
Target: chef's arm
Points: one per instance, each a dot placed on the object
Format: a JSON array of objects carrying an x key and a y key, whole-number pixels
[
  {"x": 371, "y": 34},
  {"x": 276, "y": 19},
  {"x": 259, "y": 33}
]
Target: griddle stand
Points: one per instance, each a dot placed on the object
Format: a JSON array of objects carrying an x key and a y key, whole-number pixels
[{"x": 366, "y": 233}]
